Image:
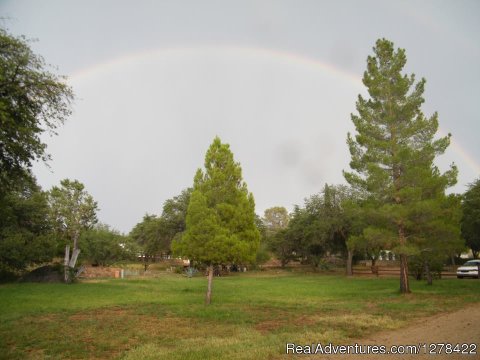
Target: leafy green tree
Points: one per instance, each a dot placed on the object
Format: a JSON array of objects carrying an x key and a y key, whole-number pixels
[
  {"x": 320, "y": 228},
  {"x": 370, "y": 243},
  {"x": 307, "y": 234},
  {"x": 262, "y": 229},
  {"x": 104, "y": 246},
  {"x": 221, "y": 215},
  {"x": 471, "y": 217},
  {"x": 173, "y": 219},
  {"x": 72, "y": 211},
  {"x": 392, "y": 155},
  {"x": 32, "y": 101},
  {"x": 274, "y": 222},
  {"x": 149, "y": 235},
  {"x": 357, "y": 219},
  {"x": 263, "y": 254},
  {"x": 284, "y": 245},
  {"x": 333, "y": 215},
  {"x": 154, "y": 235},
  {"x": 275, "y": 219},
  {"x": 437, "y": 235},
  {"x": 25, "y": 237}
]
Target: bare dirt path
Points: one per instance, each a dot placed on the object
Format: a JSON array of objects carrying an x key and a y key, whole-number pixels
[{"x": 459, "y": 327}]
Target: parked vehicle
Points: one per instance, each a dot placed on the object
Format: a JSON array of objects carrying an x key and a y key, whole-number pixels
[{"x": 469, "y": 269}]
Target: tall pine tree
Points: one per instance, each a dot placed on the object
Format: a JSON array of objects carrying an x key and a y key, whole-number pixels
[
  {"x": 392, "y": 158},
  {"x": 220, "y": 224}
]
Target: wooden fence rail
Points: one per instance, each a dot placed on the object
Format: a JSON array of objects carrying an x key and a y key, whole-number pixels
[{"x": 388, "y": 271}]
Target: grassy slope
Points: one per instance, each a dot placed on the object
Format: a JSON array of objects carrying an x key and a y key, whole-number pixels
[{"x": 252, "y": 316}]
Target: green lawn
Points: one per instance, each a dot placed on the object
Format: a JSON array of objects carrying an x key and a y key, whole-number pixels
[{"x": 252, "y": 315}]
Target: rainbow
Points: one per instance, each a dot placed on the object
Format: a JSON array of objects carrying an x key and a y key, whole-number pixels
[{"x": 286, "y": 57}]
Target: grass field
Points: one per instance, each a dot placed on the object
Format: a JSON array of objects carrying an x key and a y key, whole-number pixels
[{"x": 252, "y": 315}]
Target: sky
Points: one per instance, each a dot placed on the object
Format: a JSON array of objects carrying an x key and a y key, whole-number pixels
[{"x": 156, "y": 81}]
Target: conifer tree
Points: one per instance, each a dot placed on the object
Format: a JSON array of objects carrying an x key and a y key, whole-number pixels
[
  {"x": 392, "y": 158},
  {"x": 471, "y": 217},
  {"x": 220, "y": 224}
]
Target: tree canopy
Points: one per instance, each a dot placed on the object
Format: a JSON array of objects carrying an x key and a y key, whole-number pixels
[{"x": 32, "y": 101}]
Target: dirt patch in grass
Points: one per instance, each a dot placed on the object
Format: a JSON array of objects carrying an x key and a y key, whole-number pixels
[
  {"x": 99, "y": 314},
  {"x": 267, "y": 326}
]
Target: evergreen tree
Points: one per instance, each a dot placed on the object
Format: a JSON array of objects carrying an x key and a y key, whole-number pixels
[
  {"x": 471, "y": 217},
  {"x": 220, "y": 225},
  {"x": 392, "y": 157}
]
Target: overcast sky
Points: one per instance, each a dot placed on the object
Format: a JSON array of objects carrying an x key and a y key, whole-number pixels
[{"x": 156, "y": 81}]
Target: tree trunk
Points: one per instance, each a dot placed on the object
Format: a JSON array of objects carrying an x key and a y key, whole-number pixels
[
  {"x": 76, "y": 235},
  {"x": 428, "y": 274},
  {"x": 73, "y": 259},
  {"x": 208, "y": 298},
  {"x": 349, "y": 263},
  {"x": 404, "y": 285},
  {"x": 66, "y": 274}
]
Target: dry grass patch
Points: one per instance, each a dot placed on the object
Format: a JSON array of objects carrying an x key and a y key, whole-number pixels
[{"x": 107, "y": 332}]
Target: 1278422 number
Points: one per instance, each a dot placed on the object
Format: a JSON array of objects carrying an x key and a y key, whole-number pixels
[{"x": 447, "y": 348}]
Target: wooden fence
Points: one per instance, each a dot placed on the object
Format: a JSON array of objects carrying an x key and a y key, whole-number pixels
[{"x": 390, "y": 271}]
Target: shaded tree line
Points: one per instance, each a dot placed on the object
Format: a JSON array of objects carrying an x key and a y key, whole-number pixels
[
  {"x": 338, "y": 222},
  {"x": 154, "y": 234},
  {"x": 311, "y": 232}
]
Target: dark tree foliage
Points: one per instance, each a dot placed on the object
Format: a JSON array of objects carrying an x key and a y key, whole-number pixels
[
  {"x": 32, "y": 101},
  {"x": 308, "y": 232},
  {"x": 148, "y": 235},
  {"x": 173, "y": 219},
  {"x": 320, "y": 228},
  {"x": 154, "y": 234},
  {"x": 283, "y": 244},
  {"x": 471, "y": 217},
  {"x": 104, "y": 246},
  {"x": 25, "y": 234},
  {"x": 263, "y": 254}
]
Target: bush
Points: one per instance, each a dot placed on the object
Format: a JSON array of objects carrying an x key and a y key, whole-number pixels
[{"x": 417, "y": 267}]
